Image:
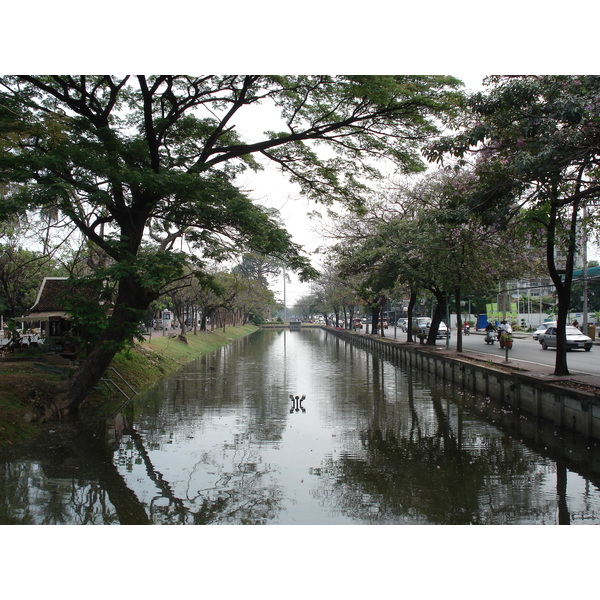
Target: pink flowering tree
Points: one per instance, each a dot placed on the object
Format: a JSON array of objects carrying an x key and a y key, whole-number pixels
[
  {"x": 428, "y": 239},
  {"x": 535, "y": 142},
  {"x": 452, "y": 251}
]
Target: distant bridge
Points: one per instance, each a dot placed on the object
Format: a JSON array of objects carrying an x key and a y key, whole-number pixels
[{"x": 293, "y": 325}]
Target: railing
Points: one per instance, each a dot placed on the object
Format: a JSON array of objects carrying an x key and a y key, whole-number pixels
[{"x": 109, "y": 380}]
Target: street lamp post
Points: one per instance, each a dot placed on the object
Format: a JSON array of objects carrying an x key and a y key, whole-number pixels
[
  {"x": 585, "y": 283},
  {"x": 284, "y": 304}
]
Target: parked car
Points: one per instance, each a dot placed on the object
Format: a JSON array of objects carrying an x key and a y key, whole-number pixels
[
  {"x": 443, "y": 331},
  {"x": 384, "y": 323},
  {"x": 403, "y": 324},
  {"x": 542, "y": 329},
  {"x": 575, "y": 339},
  {"x": 423, "y": 325},
  {"x": 421, "y": 322}
]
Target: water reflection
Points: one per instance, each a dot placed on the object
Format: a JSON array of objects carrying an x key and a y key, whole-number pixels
[
  {"x": 301, "y": 428},
  {"x": 66, "y": 477}
]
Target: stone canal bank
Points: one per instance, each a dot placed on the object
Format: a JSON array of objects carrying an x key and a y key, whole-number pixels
[{"x": 572, "y": 402}]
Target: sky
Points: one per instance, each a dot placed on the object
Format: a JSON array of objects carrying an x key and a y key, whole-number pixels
[
  {"x": 465, "y": 39},
  {"x": 271, "y": 188}
]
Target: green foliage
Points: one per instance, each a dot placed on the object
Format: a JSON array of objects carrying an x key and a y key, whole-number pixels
[
  {"x": 536, "y": 143},
  {"x": 121, "y": 156},
  {"x": 20, "y": 277},
  {"x": 131, "y": 152},
  {"x": 87, "y": 301}
]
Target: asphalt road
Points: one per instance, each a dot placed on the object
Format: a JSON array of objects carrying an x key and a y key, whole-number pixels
[{"x": 525, "y": 348}]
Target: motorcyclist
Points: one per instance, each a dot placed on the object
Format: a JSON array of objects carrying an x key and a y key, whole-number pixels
[
  {"x": 489, "y": 333},
  {"x": 504, "y": 327}
]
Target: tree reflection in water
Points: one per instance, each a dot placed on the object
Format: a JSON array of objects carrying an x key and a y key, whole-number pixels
[
  {"x": 237, "y": 497},
  {"x": 427, "y": 465},
  {"x": 67, "y": 477},
  {"x": 219, "y": 444},
  {"x": 52, "y": 490}
]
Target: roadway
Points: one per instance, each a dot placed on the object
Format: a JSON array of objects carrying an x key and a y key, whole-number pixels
[{"x": 525, "y": 349}]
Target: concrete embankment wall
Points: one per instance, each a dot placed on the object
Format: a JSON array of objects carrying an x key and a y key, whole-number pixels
[{"x": 570, "y": 408}]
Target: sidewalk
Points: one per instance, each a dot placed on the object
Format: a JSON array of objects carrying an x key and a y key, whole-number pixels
[
  {"x": 587, "y": 382},
  {"x": 544, "y": 372}
]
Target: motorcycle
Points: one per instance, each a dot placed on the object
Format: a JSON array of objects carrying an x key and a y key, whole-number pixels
[
  {"x": 490, "y": 336},
  {"x": 466, "y": 330}
]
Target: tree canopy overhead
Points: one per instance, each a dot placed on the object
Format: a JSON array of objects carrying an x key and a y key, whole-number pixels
[
  {"x": 163, "y": 151},
  {"x": 125, "y": 156}
]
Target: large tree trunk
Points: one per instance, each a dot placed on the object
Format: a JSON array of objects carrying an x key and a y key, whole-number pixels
[
  {"x": 564, "y": 297},
  {"x": 132, "y": 302},
  {"x": 438, "y": 313},
  {"x": 562, "y": 285},
  {"x": 459, "y": 340},
  {"x": 374, "y": 318}
]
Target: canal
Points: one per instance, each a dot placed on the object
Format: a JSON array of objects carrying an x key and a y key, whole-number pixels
[{"x": 288, "y": 427}]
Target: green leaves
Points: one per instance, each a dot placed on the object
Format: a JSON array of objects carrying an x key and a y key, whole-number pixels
[{"x": 123, "y": 157}]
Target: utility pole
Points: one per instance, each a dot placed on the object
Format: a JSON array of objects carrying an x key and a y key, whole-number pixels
[
  {"x": 585, "y": 283},
  {"x": 284, "y": 304}
]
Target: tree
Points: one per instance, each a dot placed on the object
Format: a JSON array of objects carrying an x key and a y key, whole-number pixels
[
  {"x": 460, "y": 252},
  {"x": 424, "y": 237},
  {"x": 258, "y": 267},
  {"x": 21, "y": 270},
  {"x": 307, "y": 306},
  {"x": 537, "y": 142},
  {"x": 121, "y": 156},
  {"x": 336, "y": 294}
]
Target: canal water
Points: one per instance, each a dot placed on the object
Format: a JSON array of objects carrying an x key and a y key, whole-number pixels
[{"x": 288, "y": 427}]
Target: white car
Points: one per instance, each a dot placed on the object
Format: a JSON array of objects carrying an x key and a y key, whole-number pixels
[
  {"x": 402, "y": 323},
  {"x": 424, "y": 323},
  {"x": 575, "y": 339},
  {"x": 542, "y": 329}
]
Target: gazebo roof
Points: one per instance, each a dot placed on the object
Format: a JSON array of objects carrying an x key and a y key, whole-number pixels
[{"x": 53, "y": 293}]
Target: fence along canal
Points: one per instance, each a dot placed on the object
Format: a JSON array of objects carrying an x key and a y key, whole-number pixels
[{"x": 571, "y": 409}]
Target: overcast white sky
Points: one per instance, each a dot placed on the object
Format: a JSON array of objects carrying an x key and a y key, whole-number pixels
[
  {"x": 464, "y": 39},
  {"x": 271, "y": 188}
]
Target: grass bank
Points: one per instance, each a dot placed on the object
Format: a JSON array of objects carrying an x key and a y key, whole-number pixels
[
  {"x": 26, "y": 383},
  {"x": 160, "y": 355}
]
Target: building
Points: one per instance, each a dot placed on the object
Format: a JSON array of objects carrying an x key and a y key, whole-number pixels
[{"x": 49, "y": 315}]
